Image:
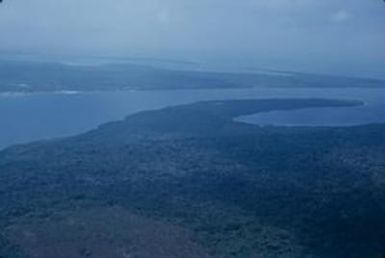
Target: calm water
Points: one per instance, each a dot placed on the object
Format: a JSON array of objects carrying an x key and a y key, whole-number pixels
[{"x": 40, "y": 116}]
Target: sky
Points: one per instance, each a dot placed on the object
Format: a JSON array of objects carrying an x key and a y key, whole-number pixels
[{"x": 340, "y": 36}]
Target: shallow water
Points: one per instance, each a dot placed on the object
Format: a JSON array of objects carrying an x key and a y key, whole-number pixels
[{"x": 25, "y": 118}]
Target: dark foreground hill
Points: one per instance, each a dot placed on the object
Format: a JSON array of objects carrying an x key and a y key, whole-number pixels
[{"x": 188, "y": 181}]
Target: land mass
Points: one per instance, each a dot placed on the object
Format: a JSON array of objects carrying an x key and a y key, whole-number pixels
[
  {"x": 189, "y": 181},
  {"x": 22, "y": 76}
]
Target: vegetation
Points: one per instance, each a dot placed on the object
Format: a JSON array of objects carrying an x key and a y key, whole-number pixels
[
  {"x": 191, "y": 180},
  {"x": 16, "y": 76}
]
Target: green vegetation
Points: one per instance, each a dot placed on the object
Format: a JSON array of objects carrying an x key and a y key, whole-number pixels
[{"x": 191, "y": 177}]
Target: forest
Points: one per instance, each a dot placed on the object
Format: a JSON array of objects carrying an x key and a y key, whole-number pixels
[{"x": 194, "y": 183}]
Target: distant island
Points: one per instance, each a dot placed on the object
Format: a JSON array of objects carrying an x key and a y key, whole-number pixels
[
  {"x": 188, "y": 181},
  {"x": 30, "y": 76}
]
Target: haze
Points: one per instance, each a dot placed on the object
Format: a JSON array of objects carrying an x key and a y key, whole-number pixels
[{"x": 328, "y": 36}]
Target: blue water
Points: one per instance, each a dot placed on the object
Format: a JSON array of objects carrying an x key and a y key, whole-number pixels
[{"x": 25, "y": 118}]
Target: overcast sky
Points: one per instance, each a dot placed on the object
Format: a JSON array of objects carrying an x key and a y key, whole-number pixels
[{"x": 326, "y": 32}]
